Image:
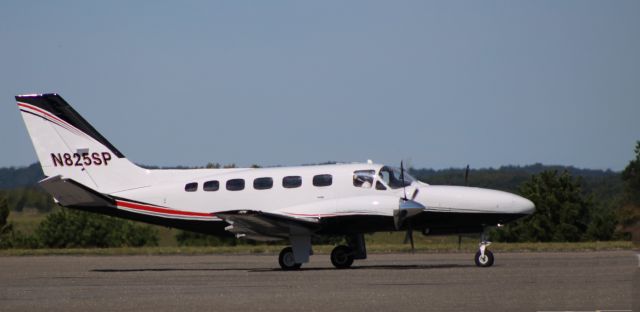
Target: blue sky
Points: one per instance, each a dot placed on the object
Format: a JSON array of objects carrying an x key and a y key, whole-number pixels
[{"x": 440, "y": 84}]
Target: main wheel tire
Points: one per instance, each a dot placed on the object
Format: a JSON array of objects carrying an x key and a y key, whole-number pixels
[
  {"x": 485, "y": 261},
  {"x": 341, "y": 257},
  {"x": 287, "y": 260}
]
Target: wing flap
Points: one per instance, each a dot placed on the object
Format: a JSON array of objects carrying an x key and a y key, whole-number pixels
[{"x": 260, "y": 225}]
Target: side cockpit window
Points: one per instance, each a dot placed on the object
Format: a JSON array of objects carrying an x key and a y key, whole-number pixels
[
  {"x": 363, "y": 178},
  {"x": 394, "y": 178}
]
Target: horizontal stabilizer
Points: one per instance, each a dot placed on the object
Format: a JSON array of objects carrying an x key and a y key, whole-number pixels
[{"x": 71, "y": 193}]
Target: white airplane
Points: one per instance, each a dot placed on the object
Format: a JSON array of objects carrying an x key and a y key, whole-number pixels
[{"x": 84, "y": 171}]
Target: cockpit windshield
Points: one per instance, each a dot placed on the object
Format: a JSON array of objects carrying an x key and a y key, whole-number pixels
[{"x": 393, "y": 177}]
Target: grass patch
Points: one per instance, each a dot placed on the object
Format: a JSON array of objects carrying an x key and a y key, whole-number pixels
[{"x": 26, "y": 221}]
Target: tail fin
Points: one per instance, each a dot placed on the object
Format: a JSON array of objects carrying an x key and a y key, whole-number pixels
[{"x": 67, "y": 145}]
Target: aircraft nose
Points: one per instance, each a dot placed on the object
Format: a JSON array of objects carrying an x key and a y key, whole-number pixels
[{"x": 523, "y": 205}]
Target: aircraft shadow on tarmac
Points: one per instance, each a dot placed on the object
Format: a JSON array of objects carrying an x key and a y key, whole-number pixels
[{"x": 364, "y": 267}]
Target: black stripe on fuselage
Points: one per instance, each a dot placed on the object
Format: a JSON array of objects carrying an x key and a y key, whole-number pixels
[
  {"x": 438, "y": 223},
  {"x": 57, "y": 106}
]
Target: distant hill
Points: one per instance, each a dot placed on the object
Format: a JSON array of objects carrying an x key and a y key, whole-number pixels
[{"x": 12, "y": 177}]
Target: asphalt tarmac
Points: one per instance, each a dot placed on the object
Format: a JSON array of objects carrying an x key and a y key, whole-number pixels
[{"x": 579, "y": 281}]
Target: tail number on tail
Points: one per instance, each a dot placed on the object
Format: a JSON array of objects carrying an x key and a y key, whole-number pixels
[{"x": 80, "y": 159}]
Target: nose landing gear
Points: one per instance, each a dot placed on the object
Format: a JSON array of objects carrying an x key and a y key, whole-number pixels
[{"x": 484, "y": 257}]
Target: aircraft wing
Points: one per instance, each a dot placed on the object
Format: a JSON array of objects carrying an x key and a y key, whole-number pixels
[
  {"x": 267, "y": 226},
  {"x": 335, "y": 216}
]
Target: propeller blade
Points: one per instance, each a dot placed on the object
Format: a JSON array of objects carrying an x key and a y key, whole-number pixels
[
  {"x": 466, "y": 176},
  {"x": 398, "y": 217},
  {"x": 413, "y": 247},
  {"x": 408, "y": 238},
  {"x": 415, "y": 194},
  {"x": 404, "y": 187}
]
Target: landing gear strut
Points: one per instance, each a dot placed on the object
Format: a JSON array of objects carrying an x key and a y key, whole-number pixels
[{"x": 484, "y": 257}]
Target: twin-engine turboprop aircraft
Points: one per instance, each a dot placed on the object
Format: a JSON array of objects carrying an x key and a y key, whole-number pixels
[{"x": 84, "y": 171}]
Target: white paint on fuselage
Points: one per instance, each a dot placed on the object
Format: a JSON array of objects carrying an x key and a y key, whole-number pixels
[
  {"x": 473, "y": 200},
  {"x": 340, "y": 198}
]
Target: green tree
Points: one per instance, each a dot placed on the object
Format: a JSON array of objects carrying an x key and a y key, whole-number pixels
[
  {"x": 629, "y": 213},
  {"x": 5, "y": 227},
  {"x": 631, "y": 177},
  {"x": 212, "y": 165},
  {"x": 70, "y": 228},
  {"x": 563, "y": 212}
]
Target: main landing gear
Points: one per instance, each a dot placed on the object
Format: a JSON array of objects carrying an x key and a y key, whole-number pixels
[
  {"x": 342, "y": 256},
  {"x": 287, "y": 261},
  {"x": 484, "y": 257}
]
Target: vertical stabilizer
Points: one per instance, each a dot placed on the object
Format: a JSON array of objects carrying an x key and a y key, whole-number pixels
[{"x": 67, "y": 145}]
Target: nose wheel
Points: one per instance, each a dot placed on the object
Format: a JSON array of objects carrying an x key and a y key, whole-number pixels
[{"x": 484, "y": 257}]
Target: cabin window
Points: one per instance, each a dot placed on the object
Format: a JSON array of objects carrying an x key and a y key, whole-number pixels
[
  {"x": 211, "y": 186},
  {"x": 322, "y": 180},
  {"x": 263, "y": 183},
  {"x": 235, "y": 185},
  {"x": 191, "y": 187},
  {"x": 363, "y": 178},
  {"x": 291, "y": 181},
  {"x": 380, "y": 186}
]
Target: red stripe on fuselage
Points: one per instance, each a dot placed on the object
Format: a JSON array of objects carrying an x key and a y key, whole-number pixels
[{"x": 162, "y": 210}]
